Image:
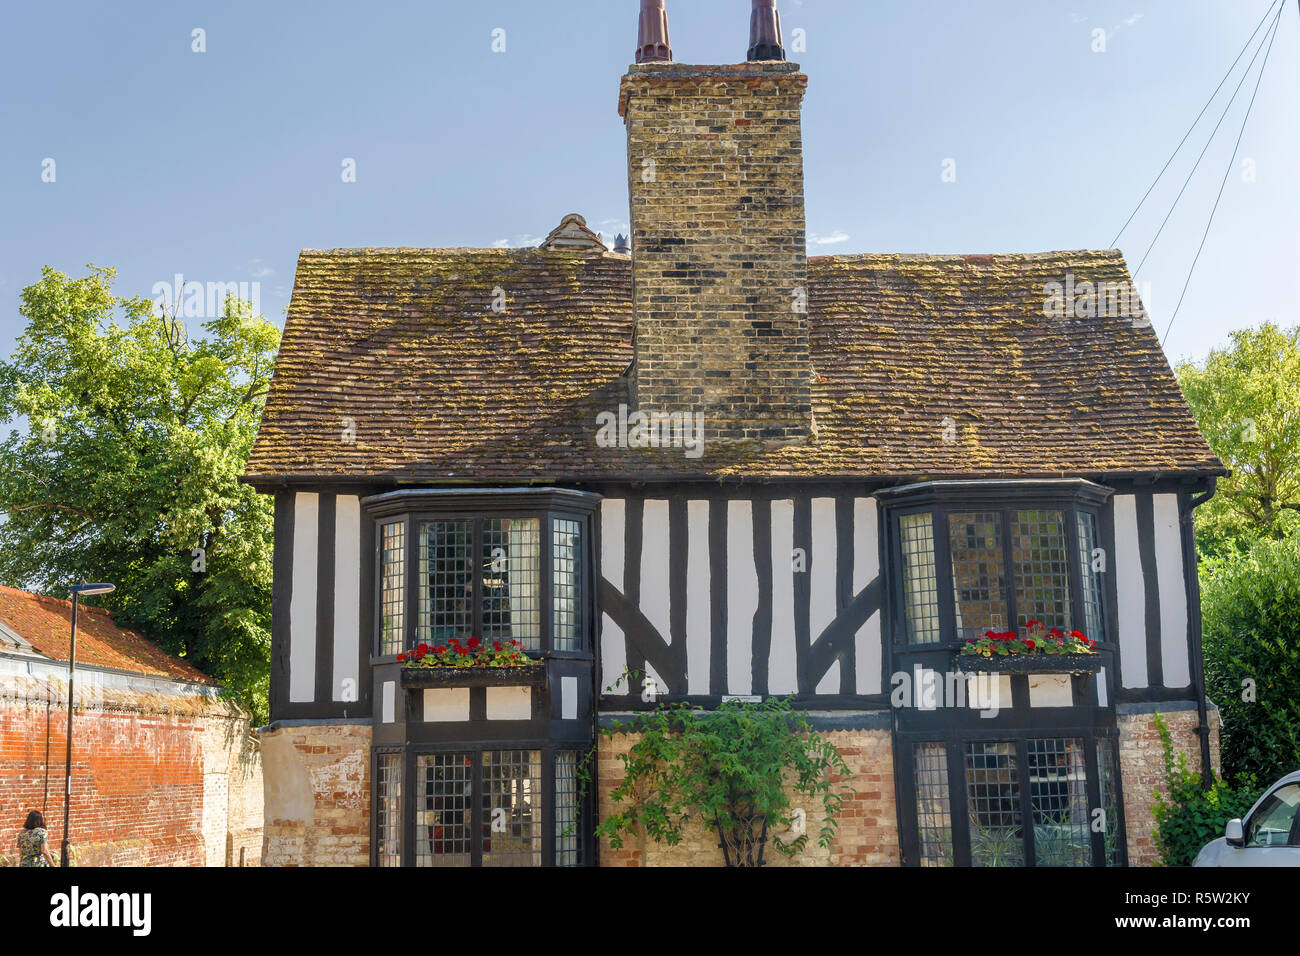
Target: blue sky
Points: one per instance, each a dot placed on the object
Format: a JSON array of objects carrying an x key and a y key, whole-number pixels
[{"x": 221, "y": 165}]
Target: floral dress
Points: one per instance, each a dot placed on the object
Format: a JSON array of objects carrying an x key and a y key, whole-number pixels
[{"x": 30, "y": 845}]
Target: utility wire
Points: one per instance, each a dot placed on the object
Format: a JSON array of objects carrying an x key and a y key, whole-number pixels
[
  {"x": 1197, "y": 165},
  {"x": 1231, "y": 163},
  {"x": 1195, "y": 123}
]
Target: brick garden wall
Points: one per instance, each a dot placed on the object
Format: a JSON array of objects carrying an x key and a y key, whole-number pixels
[
  {"x": 868, "y": 828},
  {"x": 158, "y": 779},
  {"x": 317, "y": 795},
  {"x": 1142, "y": 769}
]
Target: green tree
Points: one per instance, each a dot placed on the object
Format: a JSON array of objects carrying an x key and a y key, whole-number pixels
[
  {"x": 1250, "y": 607},
  {"x": 1246, "y": 399},
  {"x": 128, "y": 470}
]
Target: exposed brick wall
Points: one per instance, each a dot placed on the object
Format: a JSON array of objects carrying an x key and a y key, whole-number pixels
[
  {"x": 317, "y": 795},
  {"x": 1142, "y": 769},
  {"x": 719, "y": 254},
  {"x": 151, "y": 773},
  {"x": 868, "y": 824}
]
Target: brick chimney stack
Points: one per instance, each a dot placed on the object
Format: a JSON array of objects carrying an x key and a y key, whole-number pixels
[
  {"x": 719, "y": 263},
  {"x": 652, "y": 45}
]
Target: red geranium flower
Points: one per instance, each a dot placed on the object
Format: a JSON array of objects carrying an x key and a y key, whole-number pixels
[
  {"x": 401, "y": 657},
  {"x": 1030, "y": 644}
]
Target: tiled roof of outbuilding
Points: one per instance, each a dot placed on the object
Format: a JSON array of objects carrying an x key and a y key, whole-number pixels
[
  {"x": 46, "y": 623},
  {"x": 442, "y": 388}
]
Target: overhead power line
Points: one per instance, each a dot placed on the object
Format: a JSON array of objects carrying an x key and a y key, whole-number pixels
[
  {"x": 1209, "y": 142},
  {"x": 1195, "y": 123},
  {"x": 1231, "y": 163}
]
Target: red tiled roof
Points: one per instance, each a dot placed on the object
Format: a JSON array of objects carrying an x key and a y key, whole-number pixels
[
  {"x": 406, "y": 345},
  {"x": 46, "y": 623}
]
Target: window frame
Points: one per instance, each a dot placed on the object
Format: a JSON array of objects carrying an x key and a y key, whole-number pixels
[
  {"x": 413, "y": 508},
  {"x": 941, "y": 499},
  {"x": 585, "y": 806}
]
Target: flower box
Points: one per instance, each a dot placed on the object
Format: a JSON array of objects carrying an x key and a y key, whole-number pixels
[
  {"x": 1028, "y": 663},
  {"x": 473, "y": 676}
]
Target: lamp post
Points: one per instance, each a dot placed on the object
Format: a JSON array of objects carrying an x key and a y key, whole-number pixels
[{"x": 77, "y": 591}]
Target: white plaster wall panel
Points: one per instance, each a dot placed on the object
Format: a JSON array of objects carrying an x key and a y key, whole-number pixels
[
  {"x": 1050, "y": 690},
  {"x": 782, "y": 674},
  {"x": 1174, "y": 652},
  {"x": 742, "y": 595},
  {"x": 656, "y": 554},
  {"x": 823, "y": 567},
  {"x": 509, "y": 703},
  {"x": 302, "y": 604},
  {"x": 866, "y": 567},
  {"x": 568, "y": 698},
  {"x": 698, "y": 601},
  {"x": 446, "y": 704},
  {"x": 347, "y": 597},
  {"x": 613, "y": 648},
  {"x": 1131, "y": 609}
]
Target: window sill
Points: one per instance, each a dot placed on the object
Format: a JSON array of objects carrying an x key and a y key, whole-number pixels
[
  {"x": 421, "y": 677},
  {"x": 1027, "y": 663}
]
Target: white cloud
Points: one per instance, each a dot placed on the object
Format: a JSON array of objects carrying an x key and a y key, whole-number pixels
[{"x": 833, "y": 238}]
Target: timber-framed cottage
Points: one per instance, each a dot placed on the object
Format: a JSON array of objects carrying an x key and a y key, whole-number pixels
[{"x": 734, "y": 471}]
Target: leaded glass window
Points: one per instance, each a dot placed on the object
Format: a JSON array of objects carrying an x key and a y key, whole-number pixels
[
  {"x": 565, "y": 585},
  {"x": 993, "y": 798},
  {"x": 978, "y": 572},
  {"x": 1042, "y": 568},
  {"x": 388, "y": 809},
  {"x": 1109, "y": 800},
  {"x": 568, "y": 845},
  {"x": 1058, "y": 795},
  {"x": 512, "y": 808},
  {"x": 1093, "y": 623},
  {"x": 446, "y": 582},
  {"x": 444, "y": 820},
  {"x": 392, "y": 596},
  {"x": 920, "y": 590},
  {"x": 933, "y": 818},
  {"x": 511, "y": 569}
]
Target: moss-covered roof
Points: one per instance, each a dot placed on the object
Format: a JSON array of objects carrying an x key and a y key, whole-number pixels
[{"x": 406, "y": 346}]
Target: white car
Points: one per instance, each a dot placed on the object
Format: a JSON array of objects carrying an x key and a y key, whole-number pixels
[{"x": 1269, "y": 836}]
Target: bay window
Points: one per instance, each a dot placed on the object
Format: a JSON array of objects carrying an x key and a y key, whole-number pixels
[
  {"x": 995, "y": 565},
  {"x": 516, "y": 575}
]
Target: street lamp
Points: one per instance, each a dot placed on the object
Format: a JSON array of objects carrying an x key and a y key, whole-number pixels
[{"x": 77, "y": 591}]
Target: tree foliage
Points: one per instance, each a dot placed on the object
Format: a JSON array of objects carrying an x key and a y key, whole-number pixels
[
  {"x": 128, "y": 469},
  {"x": 1250, "y": 609},
  {"x": 732, "y": 770},
  {"x": 1246, "y": 398}
]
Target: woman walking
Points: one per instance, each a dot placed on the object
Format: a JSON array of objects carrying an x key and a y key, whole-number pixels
[{"x": 33, "y": 843}]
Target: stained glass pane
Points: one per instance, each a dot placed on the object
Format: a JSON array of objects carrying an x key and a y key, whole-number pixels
[
  {"x": 1042, "y": 568},
  {"x": 978, "y": 572}
]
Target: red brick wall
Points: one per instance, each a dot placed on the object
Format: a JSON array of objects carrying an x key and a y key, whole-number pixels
[{"x": 137, "y": 772}]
